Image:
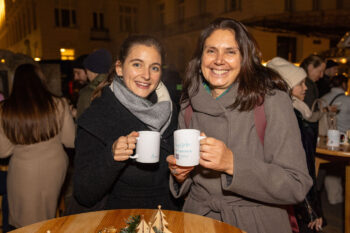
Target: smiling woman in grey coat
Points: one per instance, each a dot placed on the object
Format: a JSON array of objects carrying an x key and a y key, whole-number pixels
[{"x": 242, "y": 179}]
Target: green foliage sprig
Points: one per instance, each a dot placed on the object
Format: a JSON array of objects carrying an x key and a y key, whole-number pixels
[{"x": 132, "y": 223}]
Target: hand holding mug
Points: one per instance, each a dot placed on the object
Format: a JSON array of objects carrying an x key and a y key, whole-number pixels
[
  {"x": 215, "y": 155},
  {"x": 180, "y": 173},
  {"x": 123, "y": 147}
]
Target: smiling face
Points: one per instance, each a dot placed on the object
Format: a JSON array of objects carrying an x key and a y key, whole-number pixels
[
  {"x": 141, "y": 70},
  {"x": 221, "y": 60},
  {"x": 299, "y": 90}
]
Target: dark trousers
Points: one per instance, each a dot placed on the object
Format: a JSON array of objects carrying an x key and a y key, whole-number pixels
[{"x": 4, "y": 203}]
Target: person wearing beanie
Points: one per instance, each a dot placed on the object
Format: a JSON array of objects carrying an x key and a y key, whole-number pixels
[
  {"x": 324, "y": 84},
  {"x": 97, "y": 65},
  {"x": 295, "y": 77},
  {"x": 79, "y": 72}
]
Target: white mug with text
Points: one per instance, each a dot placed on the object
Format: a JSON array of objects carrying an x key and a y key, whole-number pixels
[
  {"x": 333, "y": 138},
  {"x": 186, "y": 147},
  {"x": 147, "y": 147}
]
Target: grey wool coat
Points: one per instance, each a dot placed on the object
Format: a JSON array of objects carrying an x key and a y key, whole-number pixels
[
  {"x": 36, "y": 172},
  {"x": 265, "y": 176}
]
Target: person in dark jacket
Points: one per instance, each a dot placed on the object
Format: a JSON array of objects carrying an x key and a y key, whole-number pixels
[
  {"x": 131, "y": 99},
  {"x": 308, "y": 213}
]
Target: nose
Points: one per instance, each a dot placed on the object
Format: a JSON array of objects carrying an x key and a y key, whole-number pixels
[
  {"x": 219, "y": 58},
  {"x": 304, "y": 86},
  {"x": 146, "y": 74}
]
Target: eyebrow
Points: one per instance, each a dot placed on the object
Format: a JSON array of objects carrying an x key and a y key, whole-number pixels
[
  {"x": 139, "y": 60},
  {"x": 213, "y": 47}
]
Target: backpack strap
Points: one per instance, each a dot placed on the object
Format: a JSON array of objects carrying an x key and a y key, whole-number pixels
[
  {"x": 188, "y": 115},
  {"x": 335, "y": 97}
]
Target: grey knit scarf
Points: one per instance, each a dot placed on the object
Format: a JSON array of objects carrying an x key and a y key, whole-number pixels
[{"x": 155, "y": 116}]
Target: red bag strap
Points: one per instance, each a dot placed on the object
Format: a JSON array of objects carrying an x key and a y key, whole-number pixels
[
  {"x": 260, "y": 121},
  {"x": 188, "y": 115}
]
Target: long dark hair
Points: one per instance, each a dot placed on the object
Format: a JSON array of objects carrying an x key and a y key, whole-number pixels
[
  {"x": 255, "y": 80},
  {"x": 124, "y": 52},
  {"x": 29, "y": 114}
]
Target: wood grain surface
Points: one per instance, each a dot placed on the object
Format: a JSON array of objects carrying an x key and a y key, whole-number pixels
[{"x": 93, "y": 222}]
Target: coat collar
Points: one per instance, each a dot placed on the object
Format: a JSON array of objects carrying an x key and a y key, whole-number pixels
[{"x": 203, "y": 102}]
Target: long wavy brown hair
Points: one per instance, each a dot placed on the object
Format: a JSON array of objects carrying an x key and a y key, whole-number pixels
[
  {"x": 29, "y": 115},
  {"x": 124, "y": 52},
  {"x": 254, "y": 79}
]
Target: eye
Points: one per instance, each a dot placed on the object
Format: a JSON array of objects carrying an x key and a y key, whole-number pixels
[
  {"x": 232, "y": 51},
  {"x": 210, "y": 51},
  {"x": 136, "y": 64},
  {"x": 155, "y": 68}
]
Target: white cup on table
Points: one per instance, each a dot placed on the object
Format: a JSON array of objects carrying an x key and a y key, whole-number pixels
[
  {"x": 186, "y": 147},
  {"x": 333, "y": 138},
  {"x": 147, "y": 147}
]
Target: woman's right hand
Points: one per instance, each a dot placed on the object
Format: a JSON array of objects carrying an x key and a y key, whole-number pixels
[
  {"x": 124, "y": 146},
  {"x": 179, "y": 173}
]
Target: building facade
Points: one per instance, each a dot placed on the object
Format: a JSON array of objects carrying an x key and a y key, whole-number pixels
[{"x": 65, "y": 29}]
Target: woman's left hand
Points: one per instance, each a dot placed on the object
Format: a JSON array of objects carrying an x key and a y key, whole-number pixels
[
  {"x": 215, "y": 155},
  {"x": 317, "y": 224}
]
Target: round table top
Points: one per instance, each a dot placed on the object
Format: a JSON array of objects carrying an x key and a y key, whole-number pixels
[{"x": 178, "y": 222}]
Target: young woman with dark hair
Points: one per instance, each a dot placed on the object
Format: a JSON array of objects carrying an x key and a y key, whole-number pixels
[
  {"x": 242, "y": 179},
  {"x": 131, "y": 99},
  {"x": 34, "y": 124}
]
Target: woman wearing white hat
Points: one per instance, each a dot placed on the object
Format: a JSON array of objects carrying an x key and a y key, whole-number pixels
[{"x": 295, "y": 77}]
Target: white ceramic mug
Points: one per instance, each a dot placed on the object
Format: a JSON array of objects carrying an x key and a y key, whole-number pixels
[
  {"x": 333, "y": 138},
  {"x": 147, "y": 147},
  {"x": 186, "y": 147}
]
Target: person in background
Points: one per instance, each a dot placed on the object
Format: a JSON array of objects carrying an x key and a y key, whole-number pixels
[
  {"x": 309, "y": 212},
  {"x": 242, "y": 179},
  {"x": 97, "y": 65},
  {"x": 34, "y": 124},
  {"x": 338, "y": 98},
  {"x": 324, "y": 84},
  {"x": 131, "y": 99},
  {"x": 333, "y": 181},
  {"x": 79, "y": 71},
  {"x": 79, "y": 81},
  {"x": 314, "y": 66}
]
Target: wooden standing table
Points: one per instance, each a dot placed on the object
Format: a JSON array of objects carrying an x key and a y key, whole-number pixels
[
  {"x": 93, "y": 222},
  {"x": 342, "y": 153}
]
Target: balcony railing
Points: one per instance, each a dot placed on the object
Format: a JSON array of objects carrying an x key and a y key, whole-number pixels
[
  {"x": 186, "y": 25},
  {"x": 99, "y": 34}
]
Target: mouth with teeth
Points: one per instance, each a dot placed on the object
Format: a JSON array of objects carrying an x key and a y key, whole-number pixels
[
  {"x": 219, "y": 72},
  {"x": 142, "y": 85}
]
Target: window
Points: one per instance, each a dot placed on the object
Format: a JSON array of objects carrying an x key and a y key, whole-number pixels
[
  {"x": 202, "y": 6},
  {"x": 34, "y": 15},
  {"x": 315, "y": 5},
  {"x": 127, "y": 18},
  {"x": 64, "y": 17},
  {"x": 286, "y": 48},
  {"x": 289, "y": 5},
  {"x": 67, "y": 54},
  {"x": 161, "y": 14},
  {"x": 181, "y": 10},
  {"x": 98, "y": 20},
  {"x": 232, "y": 5}
]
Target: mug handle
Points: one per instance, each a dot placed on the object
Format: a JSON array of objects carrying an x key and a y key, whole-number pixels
[
  {"x": 136, "y": 155},
  {"x": 342, "y": 142},
  {"x": 201, "y": 137}
]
